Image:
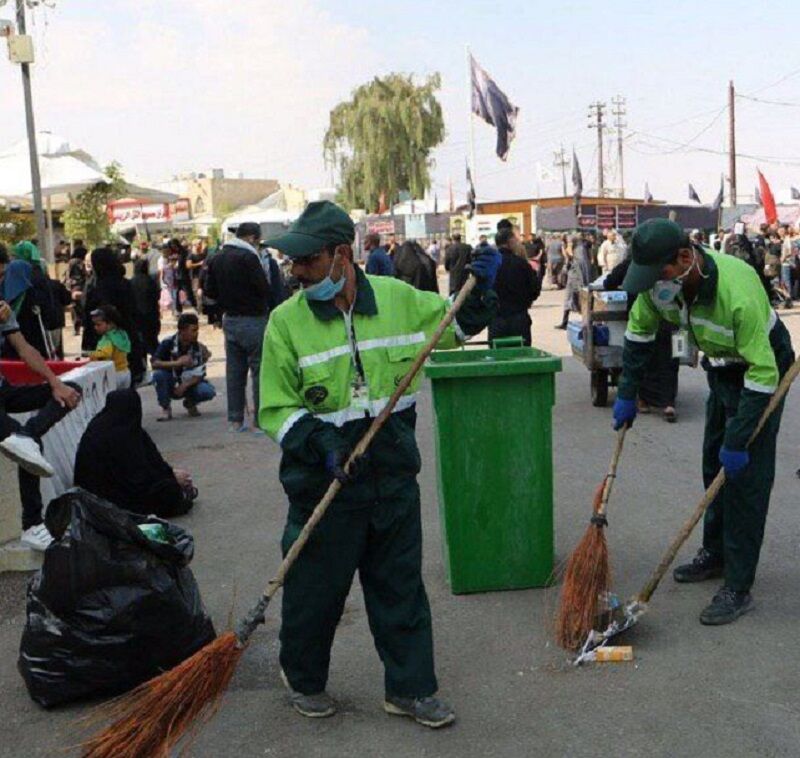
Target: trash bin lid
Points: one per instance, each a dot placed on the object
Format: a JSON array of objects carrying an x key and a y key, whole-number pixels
[{"x": 498, "y": 362}]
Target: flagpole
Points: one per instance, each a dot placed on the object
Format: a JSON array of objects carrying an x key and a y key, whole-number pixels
[{"x": 469, "y": 116}]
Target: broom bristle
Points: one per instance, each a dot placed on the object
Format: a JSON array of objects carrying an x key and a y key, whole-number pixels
[
  {"x": 586, "y": 578},
  {"x": 149, "y": 721}
]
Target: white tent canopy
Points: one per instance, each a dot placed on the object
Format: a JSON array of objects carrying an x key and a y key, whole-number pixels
[
  {"x": 60, "y": 174},
  {"x": 64, "y": 170}
]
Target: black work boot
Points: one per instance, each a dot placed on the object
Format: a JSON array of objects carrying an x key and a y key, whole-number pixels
[
  {"x": 726, "y": 606},
  {"x": 429, "y": 711},
  {"x": 563, "y": 324},
  {"x": 705, "y": 565}
]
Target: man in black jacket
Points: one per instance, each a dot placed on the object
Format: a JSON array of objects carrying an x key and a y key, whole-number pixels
[
  {"x": 237, "y": 282},
  {"x": 456, "y": 257},
  {"x": 517, "y": 286}
]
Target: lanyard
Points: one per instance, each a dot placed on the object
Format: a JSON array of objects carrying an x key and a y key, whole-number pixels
[{"x": 359, "y": 391}]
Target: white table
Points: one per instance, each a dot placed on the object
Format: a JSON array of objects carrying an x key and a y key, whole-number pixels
[{"x": 96, "y": 379}]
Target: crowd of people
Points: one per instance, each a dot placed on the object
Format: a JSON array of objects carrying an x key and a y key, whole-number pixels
[{"x": 315, "y": 390}]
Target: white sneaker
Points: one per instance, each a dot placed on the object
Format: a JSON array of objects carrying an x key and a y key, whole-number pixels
[
  {"x": 25, "y": 452},
  {"x": 36, "y": 538}
]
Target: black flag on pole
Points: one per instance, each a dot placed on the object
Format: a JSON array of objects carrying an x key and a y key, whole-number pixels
[
  {"x": 717, "y": 204},
  {"x": 491, "y": 104},
  {"x": 470, "y": 193},
  {"x": 648, "y": 196},
  {"x": 693, "y": 194},
  {"x": 577, "y": 180},
  {"x": 757, "y": 196}
]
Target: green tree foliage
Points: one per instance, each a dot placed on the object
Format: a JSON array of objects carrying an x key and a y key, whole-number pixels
[
  {"x": 381, "y": 139},
  {"x": 15, "y": 226},
  {"x": 86, "y": 217}
]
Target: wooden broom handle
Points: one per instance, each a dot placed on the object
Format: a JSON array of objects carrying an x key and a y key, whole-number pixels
[
  {"x": 608, "y": 485},
  {"x": 365, "y": 441},
  {"x": 666, "y": 561}
]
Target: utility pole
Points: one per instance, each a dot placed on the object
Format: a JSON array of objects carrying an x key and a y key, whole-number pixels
[
  {"x": 36, "y": 181},
  {"x": 732, "y": 140},
  {"x": 596, "y": 122},
  {"x": 619, "y": 112},
  {"x": 561, "y": 161}
]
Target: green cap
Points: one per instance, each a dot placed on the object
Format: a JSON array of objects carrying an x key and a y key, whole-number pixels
[
  {"x": 654, "y": 244},
  {"x": 321, "y": 223}
]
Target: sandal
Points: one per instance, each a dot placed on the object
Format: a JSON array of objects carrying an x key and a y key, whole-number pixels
[{"x": 670, "y": 416}]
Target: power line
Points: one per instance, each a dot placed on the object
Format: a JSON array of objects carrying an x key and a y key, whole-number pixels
[
  {"x": 769, "y": 102},
  {"x": 776, "y": 83},
  {"x": 775, "y": 159}
]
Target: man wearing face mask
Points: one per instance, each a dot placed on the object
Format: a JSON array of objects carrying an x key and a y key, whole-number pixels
[
  {"x": 333, "y": 355},
  {"x": 718, "y": 302}
]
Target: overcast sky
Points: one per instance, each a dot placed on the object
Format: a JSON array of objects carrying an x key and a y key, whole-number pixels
[{"x": 168, "y": 86}]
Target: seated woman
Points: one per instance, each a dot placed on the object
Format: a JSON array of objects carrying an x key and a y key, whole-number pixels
[
  {"x": 118, "y": 461},
  {"x": 114, "y": 343}
]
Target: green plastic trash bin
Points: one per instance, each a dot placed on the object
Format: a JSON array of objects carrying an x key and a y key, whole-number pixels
[{"x": 493, "y": 428}]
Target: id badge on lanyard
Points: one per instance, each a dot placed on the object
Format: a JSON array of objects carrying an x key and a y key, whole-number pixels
[
  {"x": 680, "y": 344},
  {"x": 359, "y": 394},
  {"x": 359, "y": 389}
]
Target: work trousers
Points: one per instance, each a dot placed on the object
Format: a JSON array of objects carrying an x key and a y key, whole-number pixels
[
  {"x": 22, "y": 399},
  {"x": 244, "y": 337},
  {"x": 383, "y": 542},
  {"x": 733, "y": 528}
]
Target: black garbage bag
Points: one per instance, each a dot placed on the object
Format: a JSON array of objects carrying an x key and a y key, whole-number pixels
[{"x": 109, "y": 608}]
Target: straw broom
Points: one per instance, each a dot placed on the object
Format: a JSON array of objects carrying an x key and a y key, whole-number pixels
[
  {"x": 151, "y": 719},
  {"x": 638, "y": 605},
  {"x": 587, "y": 576}
]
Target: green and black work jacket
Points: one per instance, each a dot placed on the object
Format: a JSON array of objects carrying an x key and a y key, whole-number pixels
[
  {"x": 314, "y": 355},
  {"x": 731, "y": 321}
]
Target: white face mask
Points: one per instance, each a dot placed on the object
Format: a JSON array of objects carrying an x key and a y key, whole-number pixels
[{"x": 666, "y": 290}]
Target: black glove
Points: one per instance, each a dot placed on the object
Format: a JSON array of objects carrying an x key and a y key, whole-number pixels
[{"x": 334, "y": 465}]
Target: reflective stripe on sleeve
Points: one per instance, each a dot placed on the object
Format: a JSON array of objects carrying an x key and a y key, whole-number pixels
[
  {"x": 289, "y": 423},
  {"x": 773, "y": 319},
  {"x": 629, "y": 335},
  {"x": 767, "y": 389}
]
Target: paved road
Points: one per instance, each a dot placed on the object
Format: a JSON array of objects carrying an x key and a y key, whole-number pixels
[{"x": 692, "y": 691}]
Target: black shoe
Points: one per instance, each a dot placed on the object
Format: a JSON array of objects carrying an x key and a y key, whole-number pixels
[
  {"x": 705, "y": 566},
  {"x": 560, "y": 326},
  {"x": 726, "y": 606}
]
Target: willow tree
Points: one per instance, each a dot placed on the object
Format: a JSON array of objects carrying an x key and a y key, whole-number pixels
[{"x": 380, "y": 140}]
